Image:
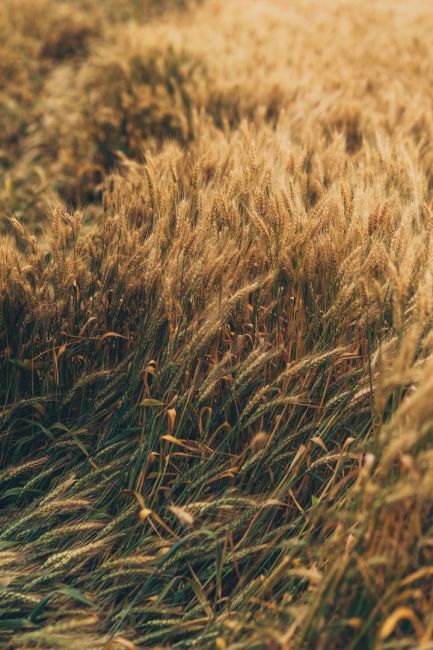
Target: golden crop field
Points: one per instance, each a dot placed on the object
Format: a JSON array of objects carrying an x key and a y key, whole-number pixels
[{"x": 216, "y": 324}]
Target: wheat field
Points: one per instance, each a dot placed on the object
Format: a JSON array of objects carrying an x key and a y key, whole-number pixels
[{"x": 216, "y": 324}]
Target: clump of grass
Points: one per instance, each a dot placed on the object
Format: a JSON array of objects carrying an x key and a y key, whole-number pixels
[
  {"x": 197, "y": 403},
  {"x": 216, "y": 384}
]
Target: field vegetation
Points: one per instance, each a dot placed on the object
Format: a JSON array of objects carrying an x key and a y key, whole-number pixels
[{"x": 216, "y": 324}]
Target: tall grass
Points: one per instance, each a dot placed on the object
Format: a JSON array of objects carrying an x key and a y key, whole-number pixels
[{"x": 216, "y": 354}]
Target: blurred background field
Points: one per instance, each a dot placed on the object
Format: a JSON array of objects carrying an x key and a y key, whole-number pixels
[{"x": 84, "y": 82}]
